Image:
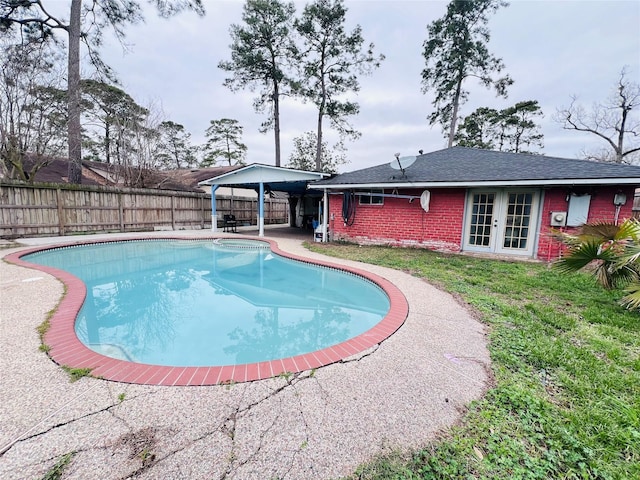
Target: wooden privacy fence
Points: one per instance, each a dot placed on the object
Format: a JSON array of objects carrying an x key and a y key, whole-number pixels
[{"x": 29, "y": 211}]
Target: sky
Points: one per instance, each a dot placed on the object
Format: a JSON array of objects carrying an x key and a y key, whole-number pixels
[{"x": 553, "y": 50}]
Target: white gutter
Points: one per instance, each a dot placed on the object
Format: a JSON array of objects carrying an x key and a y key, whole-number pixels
[
  {"x": 489, "y": 183},
  {"x": 289, "y": 175}
]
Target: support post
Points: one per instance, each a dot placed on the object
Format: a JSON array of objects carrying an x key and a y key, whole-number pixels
[
  {"x": 325, "y": 216},
  {"x": 214, "y": 217},
  {"x": 261, "y": 211}
]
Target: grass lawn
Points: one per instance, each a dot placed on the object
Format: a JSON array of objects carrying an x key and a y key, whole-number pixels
[{"x": 566, "y": 360}]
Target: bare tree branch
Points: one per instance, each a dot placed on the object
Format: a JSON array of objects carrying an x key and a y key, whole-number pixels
[{"x": 615, "y": 121}]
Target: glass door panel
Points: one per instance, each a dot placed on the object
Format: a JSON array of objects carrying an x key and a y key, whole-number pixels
[
  {"x": 481, "y": 222},
  {"x": 516, "y": 229}
]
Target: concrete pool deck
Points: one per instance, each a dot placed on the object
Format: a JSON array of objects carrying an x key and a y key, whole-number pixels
[{"x": 318, "y": 424}]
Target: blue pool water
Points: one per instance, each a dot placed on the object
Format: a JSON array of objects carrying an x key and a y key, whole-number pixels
[{"x": 203, "y": 303}]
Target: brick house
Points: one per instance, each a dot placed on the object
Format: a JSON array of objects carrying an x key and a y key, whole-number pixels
[{"x": 466, "y": 199}]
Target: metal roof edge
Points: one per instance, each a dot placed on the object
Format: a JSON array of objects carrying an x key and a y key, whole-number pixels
[{"x": 260, "y": 165}]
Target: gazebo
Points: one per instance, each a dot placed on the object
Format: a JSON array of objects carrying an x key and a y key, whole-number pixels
[{"x": 263, "y": 179}]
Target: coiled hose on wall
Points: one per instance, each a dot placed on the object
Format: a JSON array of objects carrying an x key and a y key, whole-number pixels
[{"x": 348, "y": 208}]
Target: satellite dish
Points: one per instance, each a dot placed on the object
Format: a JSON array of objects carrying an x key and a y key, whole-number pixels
[
  {"x": 401, "y": 163},
  {"x": 425, "y": 199}
]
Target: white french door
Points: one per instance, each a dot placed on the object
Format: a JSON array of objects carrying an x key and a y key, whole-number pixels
[{"x": 501, "y": 221}]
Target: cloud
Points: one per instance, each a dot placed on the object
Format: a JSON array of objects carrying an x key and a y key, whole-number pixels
[{"x": 551, "y": 49}]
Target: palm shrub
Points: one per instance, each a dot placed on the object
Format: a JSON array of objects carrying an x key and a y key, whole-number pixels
[{"x": 611, "y": 252}]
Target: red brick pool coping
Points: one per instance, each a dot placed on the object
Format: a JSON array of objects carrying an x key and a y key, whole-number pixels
[{"x": 66, "y": 349}]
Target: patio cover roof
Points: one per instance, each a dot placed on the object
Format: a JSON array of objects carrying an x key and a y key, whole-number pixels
[
  {"x": 274, "y": 179},
  {"x": 263, "y": 178}
]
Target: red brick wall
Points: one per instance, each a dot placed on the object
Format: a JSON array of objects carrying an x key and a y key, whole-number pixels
[
  {"x": 601, "y": 208},
  {"x": 398, "y": 222}
]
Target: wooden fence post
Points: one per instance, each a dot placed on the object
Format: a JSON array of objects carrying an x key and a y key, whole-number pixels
[
  {"x": 231, "y": 204},
  {"x": 202, "y": 212},
  {"x": 120, "y": 212},
  {"x": 60, "y": 206},
  {"x": 173, "y": 213}
]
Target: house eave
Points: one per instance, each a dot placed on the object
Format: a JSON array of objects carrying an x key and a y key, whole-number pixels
[
  {"x": 490, "y": 183},
  {"x": 255, "y": 173}
]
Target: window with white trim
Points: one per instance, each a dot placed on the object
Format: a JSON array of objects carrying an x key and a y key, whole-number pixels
[{"x": 370, "y": 197}]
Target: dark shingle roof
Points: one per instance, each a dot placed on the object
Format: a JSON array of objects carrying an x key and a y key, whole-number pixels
[
  {"x": 470, "y": 165},
  {"x": 110, "y": 174},
  {"x": 55, "y": 171},
  {"x": 194, "y": 176}
]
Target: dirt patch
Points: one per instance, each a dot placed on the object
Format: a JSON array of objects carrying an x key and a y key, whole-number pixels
[{"x": 141, "y": 444}]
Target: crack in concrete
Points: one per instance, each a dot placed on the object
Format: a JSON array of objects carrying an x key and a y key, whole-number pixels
[
  {"x": 62, "y": 424},
  {"x": 304, "y": 444},
  {"x": 362, "y": 355},
  {"x": 108, "y": 408},
  {"x": 229, "y": 426},
  {"x": 291, "y": 381}
]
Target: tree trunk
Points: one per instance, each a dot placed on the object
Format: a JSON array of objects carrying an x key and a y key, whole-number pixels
[
  {"x": 119, "y": 142},
  {"x": 619, "y": 148},
  {"x": 321, "y": 108},
  {"x": 319, "y": 144},
  {"x": 517, "y": 137},
  {"x": 73, "y": 125},
  {"x": 454, "y": 112},
  {"x": 276, "y": 120},
  {"x": 107, "y": 142}
]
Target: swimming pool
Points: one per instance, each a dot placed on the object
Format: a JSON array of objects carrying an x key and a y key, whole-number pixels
[{"x": 213, "y": 311}]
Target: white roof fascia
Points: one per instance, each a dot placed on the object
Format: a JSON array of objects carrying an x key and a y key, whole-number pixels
[
  {"x": 491, "y": 183},
  {"x": 257, "y": 173}
]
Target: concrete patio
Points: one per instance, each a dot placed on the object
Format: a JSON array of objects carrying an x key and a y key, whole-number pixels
[{"x": 313, "y": 425}]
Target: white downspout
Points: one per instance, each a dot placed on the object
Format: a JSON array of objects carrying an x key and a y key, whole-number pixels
[{"x": 325, "y": 216}]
